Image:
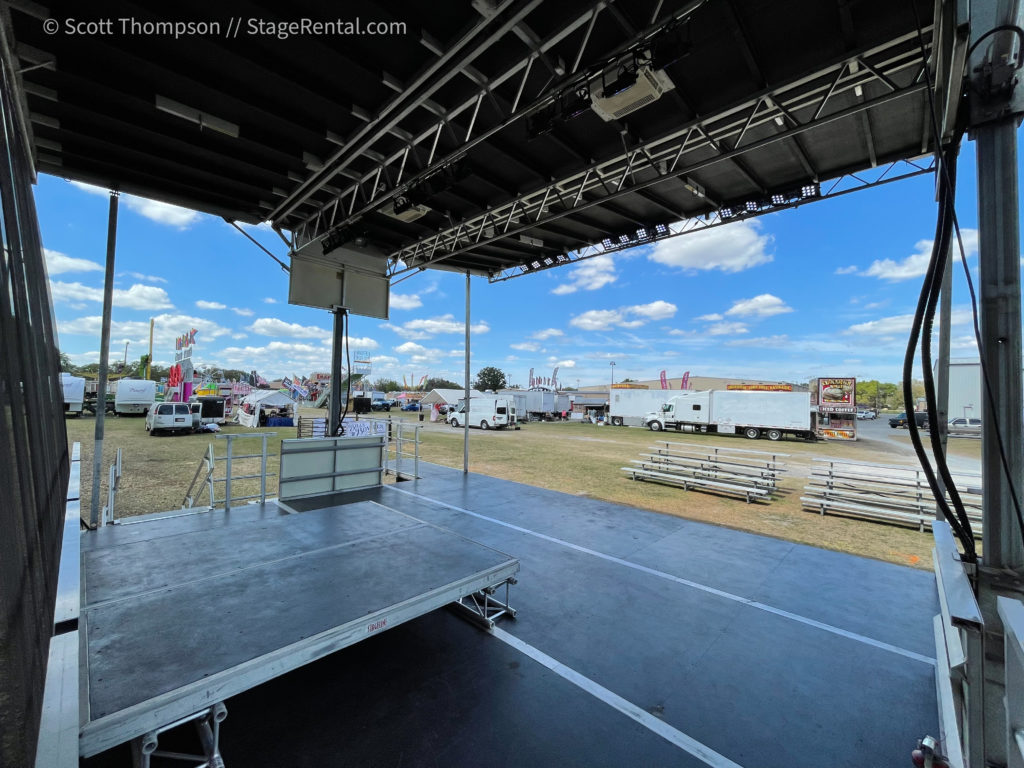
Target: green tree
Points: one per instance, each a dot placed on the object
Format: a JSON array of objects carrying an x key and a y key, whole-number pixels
[
  {"x": 386, "y": 385},
  {"x": 435, "y": 383},
  {"x": 490, "y": 377},
  {"x": 66, "y": 366}
]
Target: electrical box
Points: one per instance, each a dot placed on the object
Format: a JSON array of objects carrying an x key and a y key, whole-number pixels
[{"x": 352, "y": 278}]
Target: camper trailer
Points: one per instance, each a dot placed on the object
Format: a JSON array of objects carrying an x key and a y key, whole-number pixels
[
  {"x": 74, "y": 393},
  {"x": 134, "y": 396}
]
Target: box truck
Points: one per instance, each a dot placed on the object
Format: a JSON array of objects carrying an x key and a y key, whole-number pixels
[
  {"x": 486, "y": 413},
  {"x": 74, "y": 393},
  {"x": 134, "y": 396},
  {"x": 753, "y": 414},
  {"x": 544, "y": 404}
]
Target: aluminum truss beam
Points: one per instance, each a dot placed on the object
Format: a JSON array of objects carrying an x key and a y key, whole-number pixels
[
  {"x": 843, "y": 185},
  {"x": 801, "y": 105}
]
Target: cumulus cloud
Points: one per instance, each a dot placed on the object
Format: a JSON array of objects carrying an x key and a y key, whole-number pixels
[
  {"x": 526, "y": 346},
  {"x": 58, "y": 263},
  {"x": 624, "y": 317},
  {"x": 242, "y": 312},
  {"x": 269, "y": 300},
  {"x": 425, "y": 328},
  {"x": 141, "y": 276},
  {"x": 161, "y": 213},
  {"x": 714, "y": 317},
  {"x": 203, "y": 304},
  {"x": 137, "y": 297},
  {"x": 590, "y": 275},
  {"x": 916, "y": 264},
  {"x": 271, "y": 326},
  {"x": 899, "y": 325},
  {"x": 730, "y": 248},
  {"x": 166, "y": 328},
  {"x": 405, "y": 301},
  {"x": 418, "y": 354},
  {"x": 764, "y": 305},
  {"x": 727, "y": 329},
  {"x": 851, "y": 270},
  {"x": 547, "y": 333},
  {"x": 565, "y": 364}
]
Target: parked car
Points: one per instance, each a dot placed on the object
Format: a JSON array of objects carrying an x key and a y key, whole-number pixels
[
  {"x": 864, "y": 413},
  {"x": 444, "y": 408},
  {"x": 413, "y": 406},
  {"x": 380, "y": 405},
  {"x": 921, "y": 417},
  {"x": 965, "y": 426}
]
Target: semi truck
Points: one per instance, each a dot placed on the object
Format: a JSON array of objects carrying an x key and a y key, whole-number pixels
[
  {"x": 753, "y": 414},
  {"x": 628, "y": 407},
  {"x": 544, "y": 404}
]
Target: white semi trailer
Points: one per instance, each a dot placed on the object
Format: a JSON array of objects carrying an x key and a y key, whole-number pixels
[
  {"x": 73, "y": 388},
  {"x": 753, "y": 414}
]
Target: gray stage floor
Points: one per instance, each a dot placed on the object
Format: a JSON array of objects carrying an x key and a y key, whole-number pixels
[{"x": 641, "y": 639}]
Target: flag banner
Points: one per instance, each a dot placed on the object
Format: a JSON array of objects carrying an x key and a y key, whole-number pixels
[
  {"x": 531, "y": 377},
  {"x": 664, "y": 381},
  {"x": 685, "y": 383}
]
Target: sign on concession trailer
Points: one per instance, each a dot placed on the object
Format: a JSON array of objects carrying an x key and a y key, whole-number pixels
[{"x": 836, "y": 399}]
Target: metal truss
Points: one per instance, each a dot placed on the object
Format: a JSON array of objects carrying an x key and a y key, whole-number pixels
[
  {"x": 207, "y": 723},
  {"x": 393, "y": 175},
  {"x": 482, "y": 608},
  {"x": 842, "y": 185},
  {"x": 896, "y": 69}
]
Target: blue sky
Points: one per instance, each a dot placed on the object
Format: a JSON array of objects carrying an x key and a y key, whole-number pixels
[{"x": 825, "y": 290}]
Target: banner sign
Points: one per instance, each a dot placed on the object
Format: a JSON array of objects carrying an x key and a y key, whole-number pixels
[
  {"x": 685, "y": 383},
  {"x": 664, "y": 381},
  {"x": 760, "y": 387},
  {"x": 837, "y": 395}
]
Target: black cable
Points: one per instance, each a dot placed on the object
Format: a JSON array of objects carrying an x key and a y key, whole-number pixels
[
  {"x": 348, "y": 363},
  {"x": 986, "y": 379}
]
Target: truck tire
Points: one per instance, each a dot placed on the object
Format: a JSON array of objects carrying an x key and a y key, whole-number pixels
[
  {"x": 774, "y": 434},
  {"x": 454, "y": 422},
  {"x": 617, "y": 421},
  {"x": 655, "y": 426},
  {"x": 484, "y": 424},
  {"x": 752, "y": 432}
]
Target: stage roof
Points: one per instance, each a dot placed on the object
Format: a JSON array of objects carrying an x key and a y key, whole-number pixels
[{"x": 477, "y": 116}]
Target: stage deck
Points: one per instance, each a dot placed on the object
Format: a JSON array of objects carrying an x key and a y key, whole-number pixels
[
  {"x": 180, "y": 613},
  {"x": 641, "y": 639}
]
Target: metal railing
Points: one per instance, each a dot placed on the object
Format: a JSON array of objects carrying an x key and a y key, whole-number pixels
[
  {"x": 402, "y": 449},
  {"x": 207, "y": 470},
  {"x": 113, "y": 485}
]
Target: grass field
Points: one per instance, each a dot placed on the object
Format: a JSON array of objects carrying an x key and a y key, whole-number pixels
[{"x": 580, "y": 459}]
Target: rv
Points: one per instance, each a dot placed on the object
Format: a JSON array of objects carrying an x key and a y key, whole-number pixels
[
  {"x": 74, "y": 393},
  {"x": 486, "y": 413},
  {"x": 134, "y": 396}
]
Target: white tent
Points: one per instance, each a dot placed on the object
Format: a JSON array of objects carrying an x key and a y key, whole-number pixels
[
  {"x": 447, "y": 396},
  {"x": 249, "y": 412}
]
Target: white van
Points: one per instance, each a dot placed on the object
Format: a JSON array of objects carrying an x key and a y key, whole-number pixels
[
  {"x": 134, "y": 396},
  {"x": 170, "y": 417},
  {"x": 73, "y": 388},
  {"x": 486, "y": 413}
]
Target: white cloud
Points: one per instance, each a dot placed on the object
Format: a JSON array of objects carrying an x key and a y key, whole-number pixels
[
  {"x": 526, "y": 346},
  {"x": 425, "y": 328},
  {"x": 147, "y": 278},
  {"x": 58, "y": 263},
  {"x": 161, "y": 213},
  {"x": 418, "y": 354},
  {"x": 202, "y": 304},
  {"x": 271, "y": 326},
  {"x": 850, "y": 270},
  {"x": 410, "y": 348},
  {"x": 546, "y": 334},
  {"x": 405, "y": 301},
  {"x": 166, "y": 328},
  {"x": 565, "y": 364},
  {"x": 764, "y": 305},
  {"x": 899, "y": 325},
  {"x": 656, "y": 310},
  {"x": 731, "y": 248},
  {"x": 727, "y": 329},
  {"x": 916, "y": 264},
  {"x": 242, "y": 312},
  {"x": 269, "y": 300},
  {"x": 137, "y": 297},
  {"x": 624, "y": 317},
  {"x": 276, "y": 358},
  {"x": 714, "y": 317},
  {"x": 763, "y": 342},
  {"x": 589, "y": 275}
]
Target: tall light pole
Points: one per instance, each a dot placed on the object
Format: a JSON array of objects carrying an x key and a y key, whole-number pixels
[{"x": 612, "y": 363}]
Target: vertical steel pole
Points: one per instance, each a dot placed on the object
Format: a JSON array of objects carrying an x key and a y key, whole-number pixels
[
  {"x": 465, "y": 421},
  {"x": 227, "y": 476},
  {"x": 101, "y": 384},
  {"x": 263, "y": 471},
  {"x": 942, "y": 363},
  {"x": 334, "y": 415},
  {"x": 1000, "y": 295}
]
